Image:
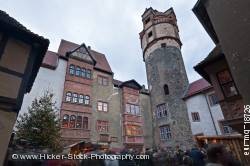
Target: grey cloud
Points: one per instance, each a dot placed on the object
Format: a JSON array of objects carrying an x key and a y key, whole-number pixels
[{"x": 110, "y": 27}]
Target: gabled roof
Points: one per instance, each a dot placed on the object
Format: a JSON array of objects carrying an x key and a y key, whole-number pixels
[
  {"x": 13, "y": 28},
  {"x": 11, "y": 25},
  {"x": 87, "y": 50},
  {"x": 131, "y": 84},
  {"x": 101, "y": 61},
  {"x": 117, "y": 83},
  {"x": 197, "y": 87}
]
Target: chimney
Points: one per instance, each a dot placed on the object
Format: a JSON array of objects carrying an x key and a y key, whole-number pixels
[{"x": 89, "y": 47}]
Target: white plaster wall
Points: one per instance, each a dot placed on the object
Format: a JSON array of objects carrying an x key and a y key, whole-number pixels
[
  {"x": 47, "y": 79},
  {"x": 198, "y": 103},
  {"x": 216, "y": 113}
]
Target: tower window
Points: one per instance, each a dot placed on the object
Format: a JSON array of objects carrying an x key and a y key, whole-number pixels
[
  {"x": 166, "y": 90},
  {"x": 147, "y": 20},
  {"x": 165, "y": 132},
  {"x": 163, "y": 45},
  {"x": 195, "y": 116},
  {"x": 150, "y": 34},
  {"x": 161, "y": 111}
]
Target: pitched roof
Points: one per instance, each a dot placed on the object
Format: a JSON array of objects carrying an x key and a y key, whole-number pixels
[
  {"x": 201, "y": 13},
  {"x": 12, "y": 25},
  {"x": 101, "y": 61},
  {"x": 50, "y": 60},
  {"x": 196, "y": 87},
  {"x": 131, "y": 83},
  {"x": 118, "y": 83},
  {"x": 15, "y": 29}
]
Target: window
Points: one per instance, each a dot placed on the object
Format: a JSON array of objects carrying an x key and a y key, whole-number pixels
[
  {"x": 150, "y": 34},
  {"x": 195, "y": 116},
  {"x": 79, "y": 122},
  {"x": 227, "y": 84},
  {"x": 88, "y": 74},
  {"x": 102, "y": 80},
  {"x": 147, "y": 20},
  {"x": 72, "y": 121},
  {"x": 213, "y": 99},
  {"x": 114, "y": 139},
  {"x": 81, "y": 99},
  {"x": 85, "y": 123},
  {"x": 65, "y": 121},
  {"x": 87, "y": 100},
  {"x": 133, "y": 130},
  {"x": 83, "y": 73},
  {"x": 71, "y": 69},
  {"x": 161, "y": 111},
  {"x": 165, "y": 132},
  {"x": 68, "y": 97},
  {"x": 104, "y": 137},
  {"x": 75, "y": 96},
  {"x": 102, "y": 126},
  {"x": 102, "y": 106},
  {"x": 78, "y": 71},
  {"x": 227, "y": 129},
  {"x": 163, "y": 45},
  {"x": 132, "y": 109},
  {"x": 166, "y": 90}
]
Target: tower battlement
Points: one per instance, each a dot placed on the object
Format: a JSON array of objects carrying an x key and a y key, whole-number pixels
[{"x": 159, "y": 29}]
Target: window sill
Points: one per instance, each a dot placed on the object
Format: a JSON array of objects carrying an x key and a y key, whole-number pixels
[
  {"x": 132, "y": 114},
  {"x": 68, "y": 128},
  {"x": 85, "y": 78},
  {"x": 86, "y": 105}
]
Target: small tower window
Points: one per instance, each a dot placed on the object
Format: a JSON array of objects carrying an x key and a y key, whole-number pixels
[
  {"x": 166, "y": 90},
  {"x": 163, "y": 45},
  {"x": 150, "y": 34},
  {"x": 147, "y": 20}
]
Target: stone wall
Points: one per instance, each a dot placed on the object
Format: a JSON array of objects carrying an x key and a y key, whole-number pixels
[{"x": 165, "y": 66}]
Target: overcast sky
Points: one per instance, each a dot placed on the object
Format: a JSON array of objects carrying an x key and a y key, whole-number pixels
[{"x": 111, "y": 27}]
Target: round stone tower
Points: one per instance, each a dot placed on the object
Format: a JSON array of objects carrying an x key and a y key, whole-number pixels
[{"x": 167, "y": 78}]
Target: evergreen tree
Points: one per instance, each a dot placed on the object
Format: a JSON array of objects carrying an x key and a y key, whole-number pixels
[{"x": 41, "y": 125}]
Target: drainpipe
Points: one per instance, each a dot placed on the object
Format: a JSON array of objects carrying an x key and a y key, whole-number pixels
[{"x": 211, "y": 115}]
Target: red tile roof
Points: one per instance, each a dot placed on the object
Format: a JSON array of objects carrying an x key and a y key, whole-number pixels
[
  {"x": 50, "y": 60},
  {"x": 196, "y": 87},
  {"x": 101, "y": 61}
]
